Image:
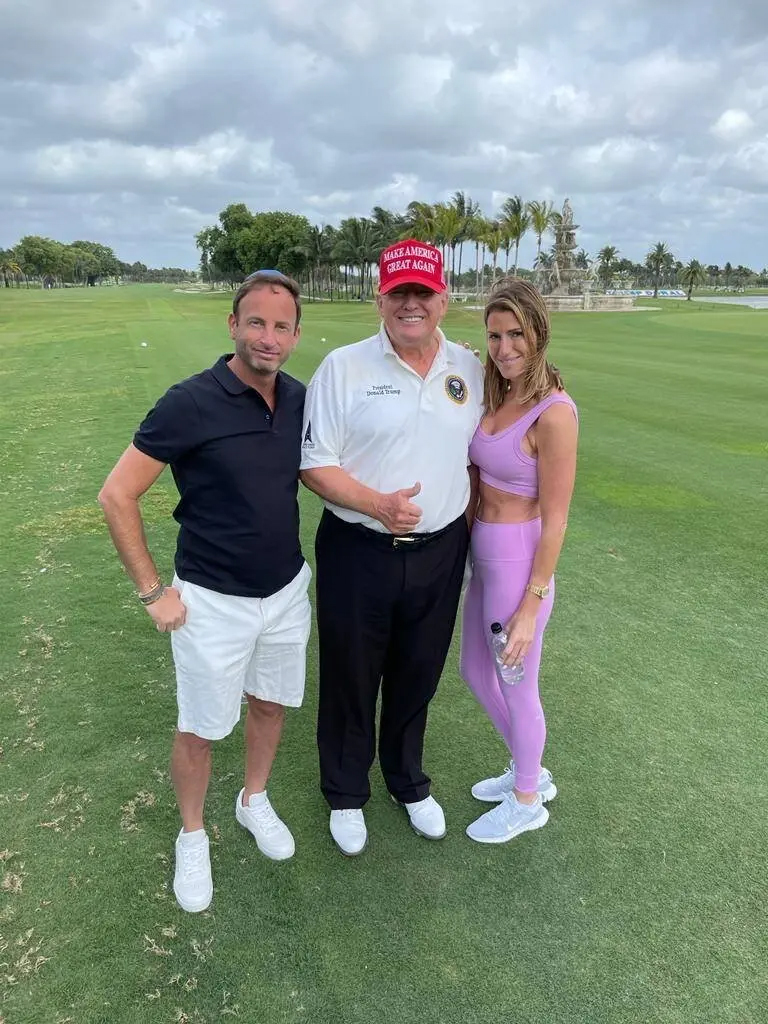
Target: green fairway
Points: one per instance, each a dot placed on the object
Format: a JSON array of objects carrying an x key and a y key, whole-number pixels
[{"x": 643, "y": 900}]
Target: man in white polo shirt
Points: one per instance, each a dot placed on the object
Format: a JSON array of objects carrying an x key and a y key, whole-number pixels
[{"x": 387, "y": 426}]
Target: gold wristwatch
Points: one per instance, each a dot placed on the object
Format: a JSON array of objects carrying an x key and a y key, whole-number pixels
[{"x": 540, "y": 592}]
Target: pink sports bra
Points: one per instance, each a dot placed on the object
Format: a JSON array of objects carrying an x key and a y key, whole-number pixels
[{"x": 500, "y": 458}]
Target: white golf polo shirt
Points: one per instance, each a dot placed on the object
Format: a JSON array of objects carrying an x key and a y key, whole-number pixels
[{"x": 370, "y": 413}]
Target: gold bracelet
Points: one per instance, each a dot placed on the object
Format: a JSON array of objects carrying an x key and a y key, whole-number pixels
[
  {"x": 153, "y": 586},
  {"x": 155, "y": 595},
  {"x": 157, "y": 590}
]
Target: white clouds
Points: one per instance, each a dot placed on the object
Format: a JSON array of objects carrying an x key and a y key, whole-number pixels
[
  {"x": 664, "y": 74},
  {"x": 618, "y": 164},
  {"x": 418, "y": 83},
  {"x": 733, "y": 125},
  {"x": 106, "y": 163},
  {"x": 746, "y": 168},
  {"x": 171, "y": 110}
]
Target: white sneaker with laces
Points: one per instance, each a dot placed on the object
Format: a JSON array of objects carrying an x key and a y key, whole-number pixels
[
  {"x": 427, "y": 818},
  {"x": 349, "y": 831},
  {"x": 508, "y": 819},
  {"x": 192, "y": 880},
  {"x": 272, "y": 835},
  {"x": 494, "y": 789}
]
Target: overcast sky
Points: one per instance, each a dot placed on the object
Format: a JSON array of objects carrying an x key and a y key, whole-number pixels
[{"x": 135, "y": 122}]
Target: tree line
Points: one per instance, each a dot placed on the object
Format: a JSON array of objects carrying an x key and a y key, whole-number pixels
[
  {"x": 46, "y": 262},
  {"x": 339, "y": 262}
]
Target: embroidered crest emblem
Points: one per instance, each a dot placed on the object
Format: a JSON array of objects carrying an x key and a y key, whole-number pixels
[{"x": 456, "y": 389}]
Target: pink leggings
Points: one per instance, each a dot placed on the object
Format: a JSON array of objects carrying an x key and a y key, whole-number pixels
[{"x": 502, "y": 555}]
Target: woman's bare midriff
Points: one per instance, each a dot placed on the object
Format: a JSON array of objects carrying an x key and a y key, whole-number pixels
[{"x": 497, "y": 506}]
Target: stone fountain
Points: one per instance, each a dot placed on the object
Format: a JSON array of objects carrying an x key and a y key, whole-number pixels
[
  {"x": 571, "y": 286},
  {"x": 564, "y": 270}
]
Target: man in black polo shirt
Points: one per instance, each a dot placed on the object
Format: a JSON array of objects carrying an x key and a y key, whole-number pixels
[{"x": 238, "y": 610}]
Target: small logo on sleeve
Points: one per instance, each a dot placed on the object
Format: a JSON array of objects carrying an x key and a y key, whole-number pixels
[
  {"x": 456, "y": 389},
  {"x": 308, "y": 443}
]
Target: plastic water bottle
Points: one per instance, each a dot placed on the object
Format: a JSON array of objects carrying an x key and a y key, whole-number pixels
[{"x": 510, "y": 674}]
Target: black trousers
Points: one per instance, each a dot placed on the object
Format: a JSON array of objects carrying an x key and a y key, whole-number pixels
[{"x": 385, "y": 613}]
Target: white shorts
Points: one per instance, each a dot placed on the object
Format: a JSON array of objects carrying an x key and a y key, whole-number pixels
[{"x": 230, "y": 645}]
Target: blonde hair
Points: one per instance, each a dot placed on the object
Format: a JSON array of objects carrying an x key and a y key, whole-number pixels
[{"x": 540, "y": 378}]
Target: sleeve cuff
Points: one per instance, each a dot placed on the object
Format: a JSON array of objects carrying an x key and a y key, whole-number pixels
[{"x": 319, "y": 462}]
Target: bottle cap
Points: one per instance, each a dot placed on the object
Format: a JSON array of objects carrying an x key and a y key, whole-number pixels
[{"x": 496, "y": 627}]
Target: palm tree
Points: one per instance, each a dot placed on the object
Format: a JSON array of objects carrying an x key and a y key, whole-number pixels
[
  {"x": 476, "y": 227},
  {"x": 358, "y": 245},
  {"x": 327, "y": 259},
  {"x": 419, "y": 222},
  {"x": 656, "y": 260},
  {"x": 317, "y": 251},
  {"x": 606, "y": 260},
  {"x": 493, "y": 239},
  {"x": 581, "y": 259},
  {"x": 742, "y": 276},
  {"x": 9, "y": 268},
  {"x": 517, "y": 220},
  {"x": 468, "y": 210},
  {"x": 541, "y": 215},
  {"x": 449, "y": 226},
  {"x": 546, "y": 270},
  {"x": 391, "y": 225},
  {"x": 692, "y": 275},
  {"x": 506, "y": 243}
]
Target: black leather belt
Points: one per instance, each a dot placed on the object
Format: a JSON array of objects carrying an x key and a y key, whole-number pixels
[{"x": 404, "y": 542}]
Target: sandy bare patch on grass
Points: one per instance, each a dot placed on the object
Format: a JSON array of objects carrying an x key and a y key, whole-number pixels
[
  {"x": 28, "y": 958},
  {"x": 80, "y": 520},
  {"x": 71, "y": 800},
  {"x": 13, "y": 875},
  {"x": 128, "y": 821},
  {"x": 151, "y": 945}
]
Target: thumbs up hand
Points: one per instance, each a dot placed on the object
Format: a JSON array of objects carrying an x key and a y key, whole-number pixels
[{"x": 397, "y": 512}]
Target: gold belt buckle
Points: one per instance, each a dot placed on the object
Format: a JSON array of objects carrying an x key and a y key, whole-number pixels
[{"x": 402, "y": 540}]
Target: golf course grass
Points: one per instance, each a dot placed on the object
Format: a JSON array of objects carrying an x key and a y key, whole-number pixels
[{"x": 643, "y": 900}]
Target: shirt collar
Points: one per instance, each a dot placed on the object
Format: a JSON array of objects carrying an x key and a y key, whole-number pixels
[
  {"x": 443, "y": 357},
  {"x": 228, "y": 380},
  {"x": 232, "y": 383}
]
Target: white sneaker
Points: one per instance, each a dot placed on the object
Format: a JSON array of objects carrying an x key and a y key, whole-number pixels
[
  {"x": 192, "y": 880},
  {"x": 495, "y": 789},
  {"x": 272, "y": 835},
  {"x": 427, "y": 818},
  {"x": 508, "y": 820},
  {"x": 349, "y": 831}
]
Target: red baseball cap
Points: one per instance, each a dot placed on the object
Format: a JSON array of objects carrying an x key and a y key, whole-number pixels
[{"x": 411, "y": 262}]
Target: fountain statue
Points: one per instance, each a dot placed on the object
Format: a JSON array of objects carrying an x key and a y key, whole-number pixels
[
  {"x": 564, "y": 270},
  {"x": 571, "y": 285}
]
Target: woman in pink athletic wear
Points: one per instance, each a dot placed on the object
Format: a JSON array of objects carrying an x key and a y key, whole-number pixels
[{"x": 525, "y": 452}]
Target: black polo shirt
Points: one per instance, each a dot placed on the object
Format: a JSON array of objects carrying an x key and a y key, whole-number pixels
[{"x": 236, "y": 466}]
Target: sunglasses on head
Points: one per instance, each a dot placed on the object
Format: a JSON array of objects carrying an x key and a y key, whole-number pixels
[{"x": 267, "y": 272}]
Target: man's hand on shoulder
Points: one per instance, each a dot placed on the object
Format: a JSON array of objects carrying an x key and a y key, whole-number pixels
[
  {"x": 397, "y": 512},
  {"x": 168, "y": 612}
]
